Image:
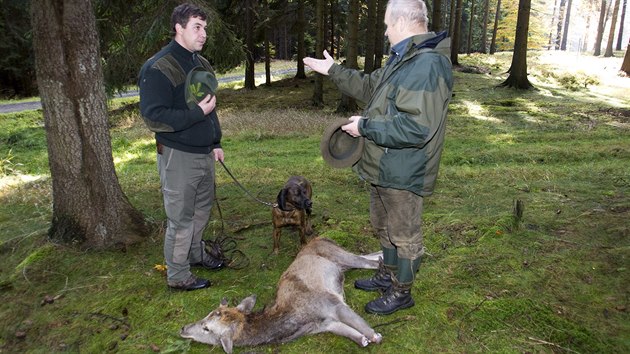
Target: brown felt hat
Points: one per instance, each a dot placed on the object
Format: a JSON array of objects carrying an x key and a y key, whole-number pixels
[{"x": 340, "y": 149}]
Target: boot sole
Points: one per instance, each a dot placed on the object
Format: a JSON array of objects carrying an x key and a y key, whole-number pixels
[
  {"x": 364, "y": 288},
  {"x": 401, "y": 307}
]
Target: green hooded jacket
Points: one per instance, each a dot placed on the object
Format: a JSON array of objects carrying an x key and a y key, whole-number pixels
[{"x": 404, "y": 119}]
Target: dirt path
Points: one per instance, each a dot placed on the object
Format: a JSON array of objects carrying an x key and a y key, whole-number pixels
[{"x": 33, "y": 105}]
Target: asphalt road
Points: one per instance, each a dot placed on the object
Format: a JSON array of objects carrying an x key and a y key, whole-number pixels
[{"x": 34, "y": 105}]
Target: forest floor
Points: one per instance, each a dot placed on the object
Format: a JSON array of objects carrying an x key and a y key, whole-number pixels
[{"x": 554, "y": 280}]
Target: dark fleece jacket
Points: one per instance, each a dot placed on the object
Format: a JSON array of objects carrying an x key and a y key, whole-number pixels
[{"x": 163, "y": 105}]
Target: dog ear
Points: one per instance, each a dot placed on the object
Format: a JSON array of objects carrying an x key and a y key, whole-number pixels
[{"x": 281, "y": 200}]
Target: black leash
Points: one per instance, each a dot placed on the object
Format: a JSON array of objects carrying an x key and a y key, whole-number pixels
[
  {"x": 273, "y": 205},
  {"x": 224, "y": 247}
]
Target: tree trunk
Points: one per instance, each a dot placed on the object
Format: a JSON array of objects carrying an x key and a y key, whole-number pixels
[
  {"x": 518, "y": 69},
  {"x": 625, "y": 66},
  {"x": 90, "y": 209},
  {"x": 332, "y": 13},
  {"x": 335, "y": 34},
  {"x": 370, "y": 33},
  {"x": 493, "y": 42},
  {"x": 483, "y": 47},
  {"x": 318, "y": 89},
  {"x": 456, "y": 32},
  {"x": 552, "y": 41},
  {"x": 446, "y": 15},
  {"x": 451, "y": 18},
  {"x": 301, "y": 51},
  {"x": 587, "y": 31},
  {"x": 250, "y": 79},
  {"x": 266, "y": 45},
  {"x": 565, "y": 32},
  {"x": 348, "y": 104},
  {"x": 600, "y": 30},
  {"x": 623, "y": 20},
  {"x": 611, "y": 34},
  {"x": 470, "y": 27},
  {"x": 559, "y": 25},
  {"x": 380, "y": 34},
  {"x": 436, "y": 16}
]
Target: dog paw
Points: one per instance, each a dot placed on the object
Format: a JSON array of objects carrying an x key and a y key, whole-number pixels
[{"x": 376, "y": 338}]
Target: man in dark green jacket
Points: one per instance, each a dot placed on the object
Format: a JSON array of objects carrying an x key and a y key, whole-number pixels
[
  {"x": 403, "y": 123},
  {"x": 188, "y": 137}
]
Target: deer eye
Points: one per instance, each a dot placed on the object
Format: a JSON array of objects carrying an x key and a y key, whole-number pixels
[{"x": 205, "y": 329}]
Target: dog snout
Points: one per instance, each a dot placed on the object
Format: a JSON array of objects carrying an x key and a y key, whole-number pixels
[{"x": 308, "y": 204}]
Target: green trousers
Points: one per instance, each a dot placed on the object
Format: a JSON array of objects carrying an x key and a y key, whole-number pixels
[{"x": 188, "y": 190}]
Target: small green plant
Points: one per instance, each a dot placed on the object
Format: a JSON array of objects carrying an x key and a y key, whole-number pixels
[
  {"x": 6, "y": 164},
  {"x": 577, "y": 81}
]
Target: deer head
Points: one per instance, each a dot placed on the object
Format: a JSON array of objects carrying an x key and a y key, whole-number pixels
[{"x": 221, "y": 325}]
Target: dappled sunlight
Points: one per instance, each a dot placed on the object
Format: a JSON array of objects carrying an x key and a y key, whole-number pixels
[
  {"x": 501, "y": 139},
  {"x": 133, "y": 151},
  {"x": 475, "y": 110},
  {"x": 16, "y": 180},
  {"x": 611, "y": 87},
  {"x": 530, "y": 107}
]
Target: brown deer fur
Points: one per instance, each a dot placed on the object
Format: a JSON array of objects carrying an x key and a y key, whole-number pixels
[{"x": 309, "y": 300}]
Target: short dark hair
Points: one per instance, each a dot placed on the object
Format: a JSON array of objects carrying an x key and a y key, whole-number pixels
[{"x": 182, "y": 13}]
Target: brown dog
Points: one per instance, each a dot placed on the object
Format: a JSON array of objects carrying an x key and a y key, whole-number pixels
[{"x": 293, "y": 208}]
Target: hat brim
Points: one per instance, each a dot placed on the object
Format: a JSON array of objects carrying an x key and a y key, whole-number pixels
[{"x": 340, "y": 149}]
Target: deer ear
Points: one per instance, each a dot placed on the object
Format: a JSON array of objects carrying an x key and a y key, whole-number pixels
[
  {"x": 226, "y": 343},
  {"x": 224, "y": 303},
  {"x": 247, "y": 304}
]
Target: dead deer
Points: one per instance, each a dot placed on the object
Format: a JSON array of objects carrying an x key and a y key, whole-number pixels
[{"x": 309, "y": 300}]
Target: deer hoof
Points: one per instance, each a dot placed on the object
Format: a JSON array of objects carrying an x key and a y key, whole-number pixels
[
  {"x": 364, "y": 341},
  {"x": 377, "y": 338}
]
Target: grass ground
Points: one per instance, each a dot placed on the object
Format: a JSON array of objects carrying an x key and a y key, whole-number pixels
[{"x": 556, "y": 281}]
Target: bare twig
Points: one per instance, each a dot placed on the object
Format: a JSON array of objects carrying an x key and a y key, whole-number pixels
[
  {"x": 406, "y": 318},
  {"x": 459, "y": 329},
  {"x": 24, "y": 236},
  {"x": 540, "y": 341}
]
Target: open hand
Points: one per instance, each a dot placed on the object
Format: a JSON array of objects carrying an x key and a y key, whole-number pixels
[{"x": 320, "y": 65}]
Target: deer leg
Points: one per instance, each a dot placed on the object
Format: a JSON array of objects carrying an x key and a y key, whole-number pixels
[
  {"x": 352, "y": 319},
  {"x": 309, "y": 226},
  {"x": 302, "y": 227},
  {"x": 342, "y": 329}
]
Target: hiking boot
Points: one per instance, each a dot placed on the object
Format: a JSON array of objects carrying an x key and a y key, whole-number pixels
[
  {"x": 192, "y": 283},
  {"x": 397, "y": 297},
  {"x": 381, "y": 280}
]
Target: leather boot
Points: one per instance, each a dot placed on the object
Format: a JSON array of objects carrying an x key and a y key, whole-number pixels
[
  {"x": 381, "y": 280},
  {"x": 397, "y": 297}
]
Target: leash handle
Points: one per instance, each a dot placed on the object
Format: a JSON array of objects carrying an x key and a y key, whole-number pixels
[{"x": 273, "y": 205}]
